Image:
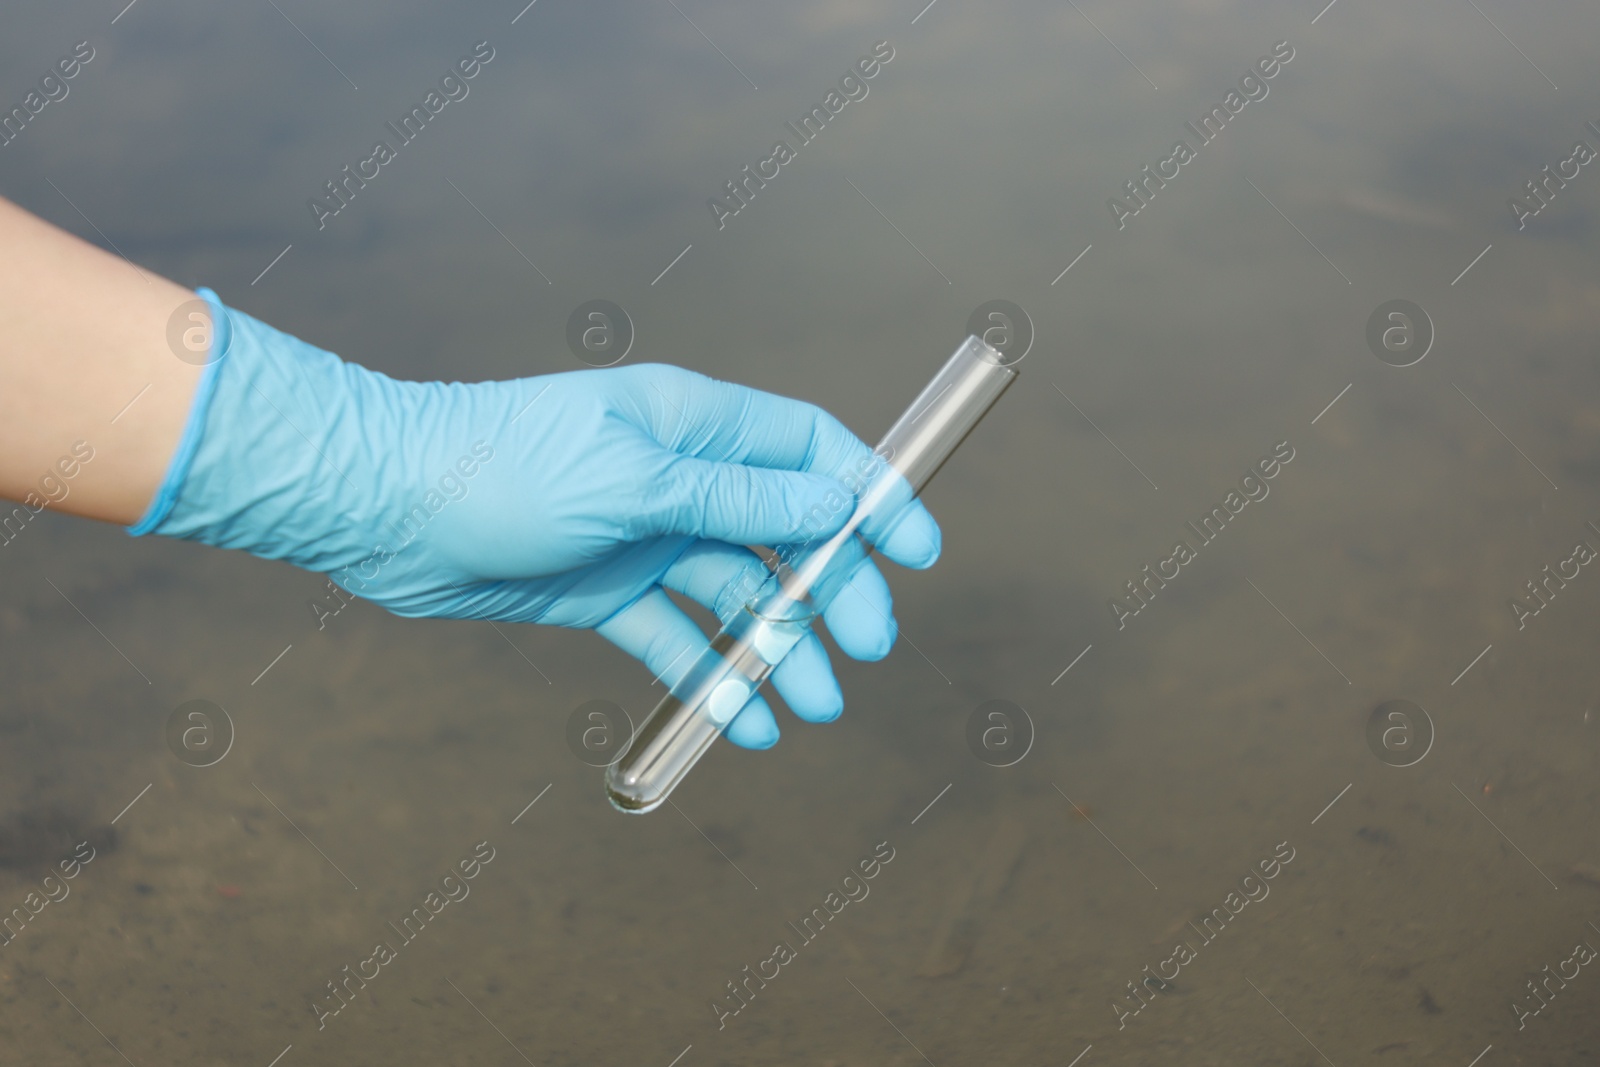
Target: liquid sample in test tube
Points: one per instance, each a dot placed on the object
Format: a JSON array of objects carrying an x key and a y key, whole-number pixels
[{"x": 805, "y": 579}]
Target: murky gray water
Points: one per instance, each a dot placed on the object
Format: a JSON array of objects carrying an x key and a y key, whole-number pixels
[{"x": 1179, "y": 760}]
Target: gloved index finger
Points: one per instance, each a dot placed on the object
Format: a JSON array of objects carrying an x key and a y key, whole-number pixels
[
  {"x": 694, "y": 415},
  {"x": 722, "y": 421}
]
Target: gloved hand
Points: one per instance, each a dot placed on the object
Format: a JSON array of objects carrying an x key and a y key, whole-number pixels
[{"x": 568, "y": 499}]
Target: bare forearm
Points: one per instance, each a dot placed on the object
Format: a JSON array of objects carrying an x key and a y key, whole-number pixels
[{"x": 84, "y": 333}]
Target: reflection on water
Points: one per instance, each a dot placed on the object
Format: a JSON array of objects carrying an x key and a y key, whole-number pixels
[{"x": 1421, "y": 547}]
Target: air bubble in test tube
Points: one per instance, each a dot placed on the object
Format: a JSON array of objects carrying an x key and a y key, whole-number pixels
[{"x": 726, "y": 675}]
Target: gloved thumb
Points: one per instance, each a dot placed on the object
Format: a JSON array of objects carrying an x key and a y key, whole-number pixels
[{"x": 750, "y": 505}]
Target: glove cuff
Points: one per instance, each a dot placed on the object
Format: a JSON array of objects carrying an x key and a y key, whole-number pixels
[{"x": 167, "y": 495}]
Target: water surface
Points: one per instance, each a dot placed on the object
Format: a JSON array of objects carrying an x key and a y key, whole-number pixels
[{"x": 1177, "y": 754}]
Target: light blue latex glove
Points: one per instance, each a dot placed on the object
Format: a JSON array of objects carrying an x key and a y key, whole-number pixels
[{"x": 568, "y": 499}]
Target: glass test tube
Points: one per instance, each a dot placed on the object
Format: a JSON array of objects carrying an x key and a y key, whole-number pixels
[{"x": 805, "y": 579}]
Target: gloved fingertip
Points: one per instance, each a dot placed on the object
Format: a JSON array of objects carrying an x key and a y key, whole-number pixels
[
  {"x": 758, "y": 738},
  {"x": 933, "y": 549},
  {"x": 861, "y": 618},
  {"x": 882, "y": 643},
  {"x": 754, "y": 727},
  {"x": 806, "y": 683},
  {"x": 915, "y": 539}
]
